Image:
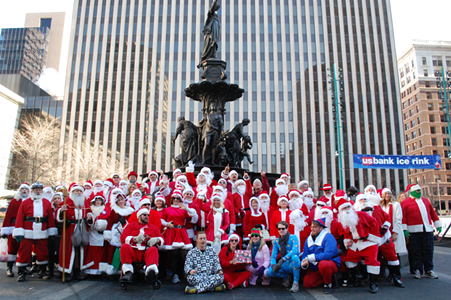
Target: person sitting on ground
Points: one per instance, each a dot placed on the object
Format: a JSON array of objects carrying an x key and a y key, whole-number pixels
[
  {"x": 288, "y": 247},
  {"x": 261, "y": 258},
  {"x": 234, "y": 275},
  {"x": 203, "y": 268},
  {"x": 320, "y": 257},
  {"x": 138, "y": 241}
]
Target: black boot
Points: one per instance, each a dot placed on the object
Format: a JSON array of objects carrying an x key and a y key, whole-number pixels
[
  {"x": 34, "y": 265},
  {"x": 42, "y": 273},
  {"x": 358, "y": 279},
  {"x": 382, "y": 274},
  {"x": 9, "y": 269},
  {"x": 373, "y": 283},
  {"x": 127, "y": 277},
  {"x": 395, "y": 271},
  {"x": 78, "y": 275},
  {"x": 151, "y": 277},
  {"x": 345, "y": 278},
  {"x": 21, "y": 273}
]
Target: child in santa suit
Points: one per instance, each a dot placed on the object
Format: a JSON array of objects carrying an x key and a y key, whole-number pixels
[
  {"x": 255, "y": 217},
  {"x": 217, "y": 223},
  {"x": 282, "y": 214}
]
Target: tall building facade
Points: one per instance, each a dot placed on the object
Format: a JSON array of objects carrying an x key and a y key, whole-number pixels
[
  {"x": 130, "y": 61},
  {"x": 424, "y": 118}
]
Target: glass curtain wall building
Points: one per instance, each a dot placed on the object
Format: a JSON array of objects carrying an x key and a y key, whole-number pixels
[{"x": 130, "y": 61}]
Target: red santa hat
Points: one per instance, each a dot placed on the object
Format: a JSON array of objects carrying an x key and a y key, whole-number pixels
[
  {"x": 326, "y": 208},
  {"x": 137, "y": 191},
  {"x": 361, "y": 196},
  {"x": 181, "y": 177},
  {"x": 206, "y": 170},
  {"x": 97, "y": 197},
  {"x": 385, "y": 190},
  {"x": 98, "y": 181},
  {"x": 294, "y": 192},
  {"x": 233, "y": 236},
  {"x": 239, "y": 181},
  {"x": 321, "y": 201},
  {"x": 327, "y": 187},
  {"x": 285, "y": 175},
  {"x": 132, "y": 173},
  {"x": 144, "y": 200},
  {"x": 222, "y": 180},
  {"x": 342, "y": 203},
  {"x": 89, "y": 182},
  {"x": 74, "y": 187},
  {"x": 71, "y": 185},
  {"x": 370, "y": 186},
  {"x": 115, "y": 175},
  {"x": 280, "y": 180},
  {"x": 218, "y": 187},
  {"x": 142, "y": 211},
  {"x": 216, "y": 196},
  {"x": 257, "y": 180},
  {"x": 301, "y": 183},
  {"x": 264, "y": 194},
  {"x": 283, "y": 198},
  {"x": 152, "y": 172},
  {"x": 160, "y": 197},
  {"x": 26, "y": 186},
  {"x": 340, "y": 194},
  {"x": 109, "y": 182},
  {"x": 123, "y": 181},
  {"x": 188, "y": 190},
  {"x": 233, "y": 172},
  {"x": 175, "y": 171},
  {"x": 119, "y": 192},
  {"x": 177, "y": 193}
]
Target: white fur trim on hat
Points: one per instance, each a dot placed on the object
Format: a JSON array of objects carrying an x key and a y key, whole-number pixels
[
  {"x": 360, "y": 197},
  {"x": 385, "y": 190},
  {"x": 108, "y": 183},
  {"x": 116, "y": 174},
  {"x": 282, "y": 199},
  {"x": 216, "y": 196},
  {"x": 123, "y": 181},
  {"x": 233, "y": 235},
  {"x": 176, "y": 171},
  {"x": 98, "y": 181},
  {"x": 25, "y": 186},
  {"x": 87, "y": 183},
  {"x": 325, "y": 208},
  {"x": 233, "y": 172},
  {"x": 142, "y": 211},
  {"x": 218, "y": 187},
  {"x": 280, "y": 180},
  {"x": 308, "y": 192},
  {"x": 319, "y": 201},
  {"x": 370, "y": 186},
  {"x": 294, "y": 192},
  {"x": 302, "y": 182},
  {"x": 136, "y": 191},
  {"x": 257, "y": 180},
  {"x": 152, "y": 172},
  {"x": 160, "y": 197},
  {"x": 415, "y": 187},
  {"x": 77, "y": 187},
  {"x": 205, "y": 169},
  {"x": 239, "y": 181},
  {"x": 222, "y": 179},
  {"x": 186, "y": 190},
  {"x": 144, "y": 201}
]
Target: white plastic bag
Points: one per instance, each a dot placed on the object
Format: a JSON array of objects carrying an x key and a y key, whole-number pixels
[{"x": 3, "y": 250}]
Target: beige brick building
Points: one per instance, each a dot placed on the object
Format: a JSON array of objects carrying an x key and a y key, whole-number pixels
[{"x": 424, "y": 119}]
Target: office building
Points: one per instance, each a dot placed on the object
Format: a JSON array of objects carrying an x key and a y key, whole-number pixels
[
  {"x": 130, "y": 61},
  {"x": 424, "y": 118}
]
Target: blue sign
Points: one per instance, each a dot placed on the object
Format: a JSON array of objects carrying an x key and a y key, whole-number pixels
[{"x": 369, "y": 161}]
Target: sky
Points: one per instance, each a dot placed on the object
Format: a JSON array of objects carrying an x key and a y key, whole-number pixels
[{"x": 412, "y": 20}]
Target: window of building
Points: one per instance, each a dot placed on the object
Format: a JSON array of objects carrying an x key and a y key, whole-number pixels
[
  {"x": 432, "y": 130},
  {"x": 412, "y": 123},
  {"x": 414, "y": 76},
  {"x": 407, "y": 126},
  {"x": 416, "y": 97},
  {"x": 425, "y": 72},
  {"x": 46, "y": 23},
  {"x": 448, "y": 191},
  {"x": 419, "y": 131},
  {"x": 448, "y": 61},
  {"x": 430, "y": 106},
  {"x": 444, "y": 130},
  {"x": 424, "y": 179},
  {"x": 442, "y": 118},
  {"x": 445, "y": 143},
  {"x": 434, "y": 152},
  {"x": 406, "y": 115},
  {"x": 403, "y": 84},
  {"x": 427, "y": 84},
  {"x": 408, "y": 148},
  {"x": 412, "y": 112},
  {"x": 414, "y": 134},
  {"x": 434, "y": 142},
  {"x": 448, "y": 178},
  {"x": 401, "y": 72},
  {"x": 410, "y": 101},
  {"x": 448, "y": 166},
  {"x": 408, "y": 137},
  {"x": 431, "y": 118},
  {"x": 428, "y": 95},
  {"x": 421, "y": 144},
  {"x": 424, "y": 61},
  {"x": 437, "y": 178},
  {"x": 437, "y": 61},
  {"x": 418, "y": 120},
  {"x": 413, "y": 64},
  {"x": 408, "y": 79},
  {"x": 415, "y": 146}
]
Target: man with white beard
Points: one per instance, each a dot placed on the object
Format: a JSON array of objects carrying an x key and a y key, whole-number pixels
[
  {"x": 309, "y": 202},
  {"x": 301, "y": 228},
  {"x": 265, "y": 206},
  {"x": 315, "y": 212},
  {"x": 361, "y": 238},
  {"x": 123, "y": 184},
  {"x": 241, "y": 201},
  {"x": 188, "y": 197},
  {"x": 201, "y": 185},
  {"x": 76, "y": 214},
  {"x": 34, "y": 224},
  {"x": 280, "y": 190},
  {"x": 88, "y": 192},
  {"x": 175, "y": 174},
  {"x": 108, "y": 186},
  {"x": 135, "y": 198},
  {"x": 152, "y": 182},
  {"x": 286, "y": 177},
  {"x": 9, "y": 223},
  {"x": 295, "y": 200},
  {"x": 98, "y": 187},
  {"x": 302, "y": 186},
  {"x": 328, "y": 195}
]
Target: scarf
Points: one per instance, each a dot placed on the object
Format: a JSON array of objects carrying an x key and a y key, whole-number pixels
[
  {"x": 283, "y": 242},
  {"x": 254, "y": 250}
]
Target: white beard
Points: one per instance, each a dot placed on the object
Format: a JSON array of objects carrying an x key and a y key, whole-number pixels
[
  {"x": 105, "y": 192},
  {"x": 124, "y": 188},
  {"x": 135, "y": 201},
  {"x": 281, "y": 190},
  {"x": 87, "y": 193},
  {"x": 295, "y": 204},
  {"x": 264, "y": 206},
  {"x": 187, "y": 201},
  {"x": 79, "y": 200},
  {"x": 98, "y": 189},
  {"x": 309, "y": 203},
  {"x": 375, "y": 199},
  {"x": 358, "y": 206},
  {"x": 97, "y": 210},
  {"x": 329, "y": 218},
  {"x": 209, "y": 181},
  {"x": 348, "y": 219},
  {"x": 241, "y": 190},
  {"x": 318, "y": 214},
  {"x": 201, "y": 187},
  {"x": 24, "y": 196},
  {"x": 297, "y": 218},
  {"x": 36, "y": 197}
]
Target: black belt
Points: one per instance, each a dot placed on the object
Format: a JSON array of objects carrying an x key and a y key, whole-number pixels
[
  {"x": 71, "y": 221},
  {"x": 179, "y": 226},
  {"x": 246, "y": 209},
  {"x": 12, "y": 221},
  {"x": 363, "y": 238},
  {"x": 36, "y": 219}
]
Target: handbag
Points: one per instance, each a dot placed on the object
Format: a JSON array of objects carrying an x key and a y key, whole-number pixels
[
  {"x": 3, "y": 250},
  {"x": 80, "y": 236}
]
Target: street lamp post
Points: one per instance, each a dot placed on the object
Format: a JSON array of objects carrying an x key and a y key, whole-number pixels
[{"x": 444, "y": 83}]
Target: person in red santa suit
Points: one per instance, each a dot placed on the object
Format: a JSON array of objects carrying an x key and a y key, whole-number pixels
[
  {"x": 132, "y": 177},
  {"x": 135, "y": 198},
  {"x": 340, "y": 194},
  {"x": 418, "y": 221},
  {"x": 88, "y": 192},
  {"x": 154, "y": 216},
  {"x": 201, "y": 185},
  {"x": 108, "y": 186},
  {"x": 280, "y": 190},
  {"x": 328, "y": 194},
  {"x": 188, "y": 200},
  {"x": 9, "y": 223},
  {"x": 123, "y": 184},
  {"x": 228, "y": 204},
  {"x": 265, "y": 207},
  {"x": 175, "y": 174},
  {"x": 211, "y": 182},
  {"x": 34, "y": 225},
  {"x": 309, "y": 201},
  {"x": 121, "y": 211},
  {"x": 100, "y": 215},
  {"x": 76, "y": 215},
  {"x": 297, "y": 202},
  {"x": 302, "y": 186},
  {"x": 386, "y": 245},
  {"x": 231, "y": 177},
  {"x": 159, "y": 205},
  {"x": 116, "y": 179},
  {"x": 253, "y": 217},
  {"x": 153, "y": 182},
  {"x": 139, "y": 241},
  {"x": 241, "y": 201},
  {"x": 260, "y": 185},
  {"x": 301, "y": 228},
  {"x": 282, "y": 214},
  {"x": 361, "y": 238},
  {"x": 315, "y": 212},
  {"x": 235, "y": 274},
  {"x": 98, "y": 187},
  {"x": 176, "y": 237},
  {"x": 218, "y": 222}
]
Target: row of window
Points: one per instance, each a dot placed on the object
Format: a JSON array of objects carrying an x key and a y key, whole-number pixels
[{"x": 414, "y": 146}]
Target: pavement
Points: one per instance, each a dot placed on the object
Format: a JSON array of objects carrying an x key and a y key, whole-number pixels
[{"x": 102, "y": 288}]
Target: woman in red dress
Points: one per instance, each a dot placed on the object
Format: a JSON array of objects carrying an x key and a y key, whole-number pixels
[
  {"x": 176, "y": 238},
  {"x": 234, "y": 275},
  {"x": 120, "y": 212},
  {"x": 255, "y": 217},
  {"x": 217, "y": 223}
]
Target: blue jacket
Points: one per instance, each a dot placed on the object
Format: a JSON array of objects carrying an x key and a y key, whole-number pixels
[
  {"x": 292, "y": 249},
  {"x": 324, "y": 247}
]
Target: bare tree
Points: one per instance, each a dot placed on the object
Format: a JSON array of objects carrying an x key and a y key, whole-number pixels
[{"x": 35, "y": 147}]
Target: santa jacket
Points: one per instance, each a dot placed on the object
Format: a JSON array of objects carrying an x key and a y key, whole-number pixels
[
  {"x": 324, "y": 247},
  {"x": 365, "y": 234},
  {"x": 225, "y": 259},
  {"x": 33, "y": 230},
  {"x": 292, "y": 248},
  {"x": 9, "y": 222},
  {"x": 154, "y": 218},
  {"x": 383, "y": 219},
  {"x": 418, "y": 215},
  {"x": 394, "y": 210},
  {"x": 135, "y": 228}
]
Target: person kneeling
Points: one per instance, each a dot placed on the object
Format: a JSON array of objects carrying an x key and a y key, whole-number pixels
[
  {"x": 288, "y": 247},
  {"x": 203, "y": 268},
  {"x": 320, "y": 257},
  {"x": 138, "y": 240}
]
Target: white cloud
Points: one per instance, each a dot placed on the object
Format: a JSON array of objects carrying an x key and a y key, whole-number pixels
[{"x": 52, "y": 82}]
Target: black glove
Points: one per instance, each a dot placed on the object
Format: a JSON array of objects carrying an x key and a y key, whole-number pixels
[
  {"x": 276, "y": 268},
  {"x": 254, "y": 263},
  {"x": 4, "y": 236},
  {"x": 261, "y": 271},
  {"x": 122, "y": 220},
  {"x": 280, "y": 263}
]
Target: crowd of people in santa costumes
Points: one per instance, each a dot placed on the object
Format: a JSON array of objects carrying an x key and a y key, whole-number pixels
[{"x": 192, "y": 226}]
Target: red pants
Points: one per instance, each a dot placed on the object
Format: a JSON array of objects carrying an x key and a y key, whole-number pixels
[
  {"x": 388, "y": 251},
  {"x": 25, "y": 249},
  {"x": 369, "y": 256},
  {"x": 129, "y": 255},
  {"x": 13, "y": 248},
  {"x": 326, "y": 269},
  {"x": 236, "y": 278}
]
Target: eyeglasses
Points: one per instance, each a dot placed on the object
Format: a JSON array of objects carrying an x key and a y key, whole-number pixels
[
  {"x": 280, "y": 229},
  {"x": 254, "y": 235},
  {"x": 147, "y": 204},
  {"x": 176, "y": 198},
  {"x": 320, "y": 205},
  {"x": 146, "y": 215},
  {"x": 234, "y": 241}
]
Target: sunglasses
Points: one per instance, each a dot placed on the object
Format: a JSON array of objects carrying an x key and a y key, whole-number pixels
[
  {"x": 176, "y": 198},
  {"x": 146, "y": 204},
  {"x": 254, "y": 235},
  {"x": 234, "y": 241},
  {"x": 282, "y": 228},
  {"x": 145, "y": 215}
]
